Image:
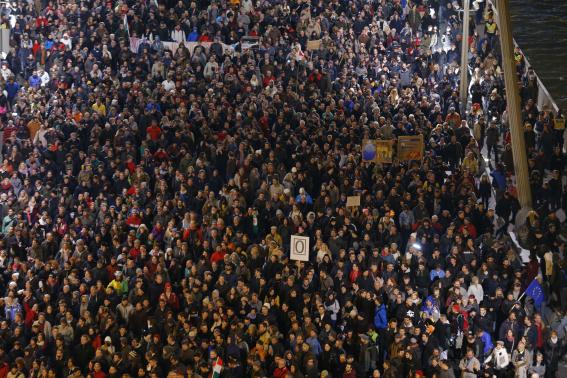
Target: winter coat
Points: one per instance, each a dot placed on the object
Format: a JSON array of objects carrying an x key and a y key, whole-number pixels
[
  {"x": 380, "y": 317},
  {"x": 492, "y": 136}
]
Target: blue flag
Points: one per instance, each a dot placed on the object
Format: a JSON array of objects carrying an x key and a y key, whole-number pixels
[{"x": 535, "y": 292}]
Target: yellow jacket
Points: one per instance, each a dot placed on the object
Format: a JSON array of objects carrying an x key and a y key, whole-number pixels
[
  {"x": 121, "y": 287},
  {"x": 471, "y": 164}
]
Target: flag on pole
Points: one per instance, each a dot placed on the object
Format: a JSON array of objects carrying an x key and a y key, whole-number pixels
[
  {"x": 535, "y": 292},
  {"x": 130, "y": 42},
  {"x": 217, "y": 368},
  {"x": 126, "y": 25}
]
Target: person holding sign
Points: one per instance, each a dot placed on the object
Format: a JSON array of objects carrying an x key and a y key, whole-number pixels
[{"x": 299, "y": 248}]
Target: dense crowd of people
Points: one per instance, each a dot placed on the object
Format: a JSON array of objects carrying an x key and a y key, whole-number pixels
[{"x": 158, "y": 155}]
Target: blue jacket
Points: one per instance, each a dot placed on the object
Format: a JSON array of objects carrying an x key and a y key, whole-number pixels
[
  {"x": 35, "y": 81},
  {"x": 434, "y": 273},
  {"x": 12, "y": 89},
  {"x": 49, "y": 44},
  {"x": 500, "y": 179},
  {"x": 307, "y": 196},
  {"x": 12, "y": 310},
  {"x": 487, "y": 340},
  {"x": 193, "y": 36},
  {"x": 315, "y": 345},
  {"x": 434, "y": 305},
  {"x": 381, "y": 318}
]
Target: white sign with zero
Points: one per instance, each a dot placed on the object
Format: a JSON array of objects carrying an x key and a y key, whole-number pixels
[{"x": 299, "y": 248}]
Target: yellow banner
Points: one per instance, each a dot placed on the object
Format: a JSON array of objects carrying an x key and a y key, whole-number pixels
[{"x": 377, "y": 151}]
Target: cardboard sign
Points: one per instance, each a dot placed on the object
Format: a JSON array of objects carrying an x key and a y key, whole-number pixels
[
  {"x": 410, "y": 147},
  {"x": 314, "y": 45},
  {"x": 299, "y": 248},
  {"x": 384, "y": 151},
  {"x": 353, "y": 201}
]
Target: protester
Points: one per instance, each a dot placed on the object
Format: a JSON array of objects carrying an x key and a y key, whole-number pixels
[
  {"x": 538, "y": 366},
  {"x": 157, "y": 157}
]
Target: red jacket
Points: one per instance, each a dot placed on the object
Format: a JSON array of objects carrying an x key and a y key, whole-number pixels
[
  {"x": 470, "y": 228},
  {"x": 41, "y": 21},
  {"x": 134, "y": 253},
  {"x": 315, "y": 78},
  {"x": 217, "y": 256},
  {"x": 267, "y": 80},
  {"x": 96, "y": 343},
  {"x": 134, "y": 220},
  {"x": 4, "y": 370},
  {"x": 30, "y": 315},
  {"x": 100, "y": 374},
  {"x": 280, "y": 372},
  {"x": 154, "y": 132},
  {"x": 354, "y": 274},
  {"x": 188, "y": 233},
  {"x": 171, "y": 300}
]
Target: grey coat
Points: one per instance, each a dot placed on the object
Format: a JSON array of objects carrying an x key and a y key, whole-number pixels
[{"x": 538, "y": 369}]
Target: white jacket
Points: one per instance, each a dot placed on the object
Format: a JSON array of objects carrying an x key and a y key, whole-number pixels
[
  {"x": 44, "y": 79},
  {"x": 168, "y": 85},
  {"x": 477, "y": 291},
  {"x": 246, "y": 6},
  {"x": 6, "y": 73},
  {"x": 178, "y": 35},
  {"x": 500, "y": 357},
  {"x": 67, "y": 42}
]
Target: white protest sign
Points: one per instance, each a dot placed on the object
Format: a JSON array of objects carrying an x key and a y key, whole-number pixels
[{"x": 299, "y": 250}]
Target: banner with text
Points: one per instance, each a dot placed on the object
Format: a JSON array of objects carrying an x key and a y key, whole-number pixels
[{"x": 410, "y": 147}]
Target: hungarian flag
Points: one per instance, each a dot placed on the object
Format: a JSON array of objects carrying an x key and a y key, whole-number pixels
[{"x": 217, "y": 367}]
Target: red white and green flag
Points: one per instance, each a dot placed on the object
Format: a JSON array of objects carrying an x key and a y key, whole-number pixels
[{"x": 217, "y": 368}]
